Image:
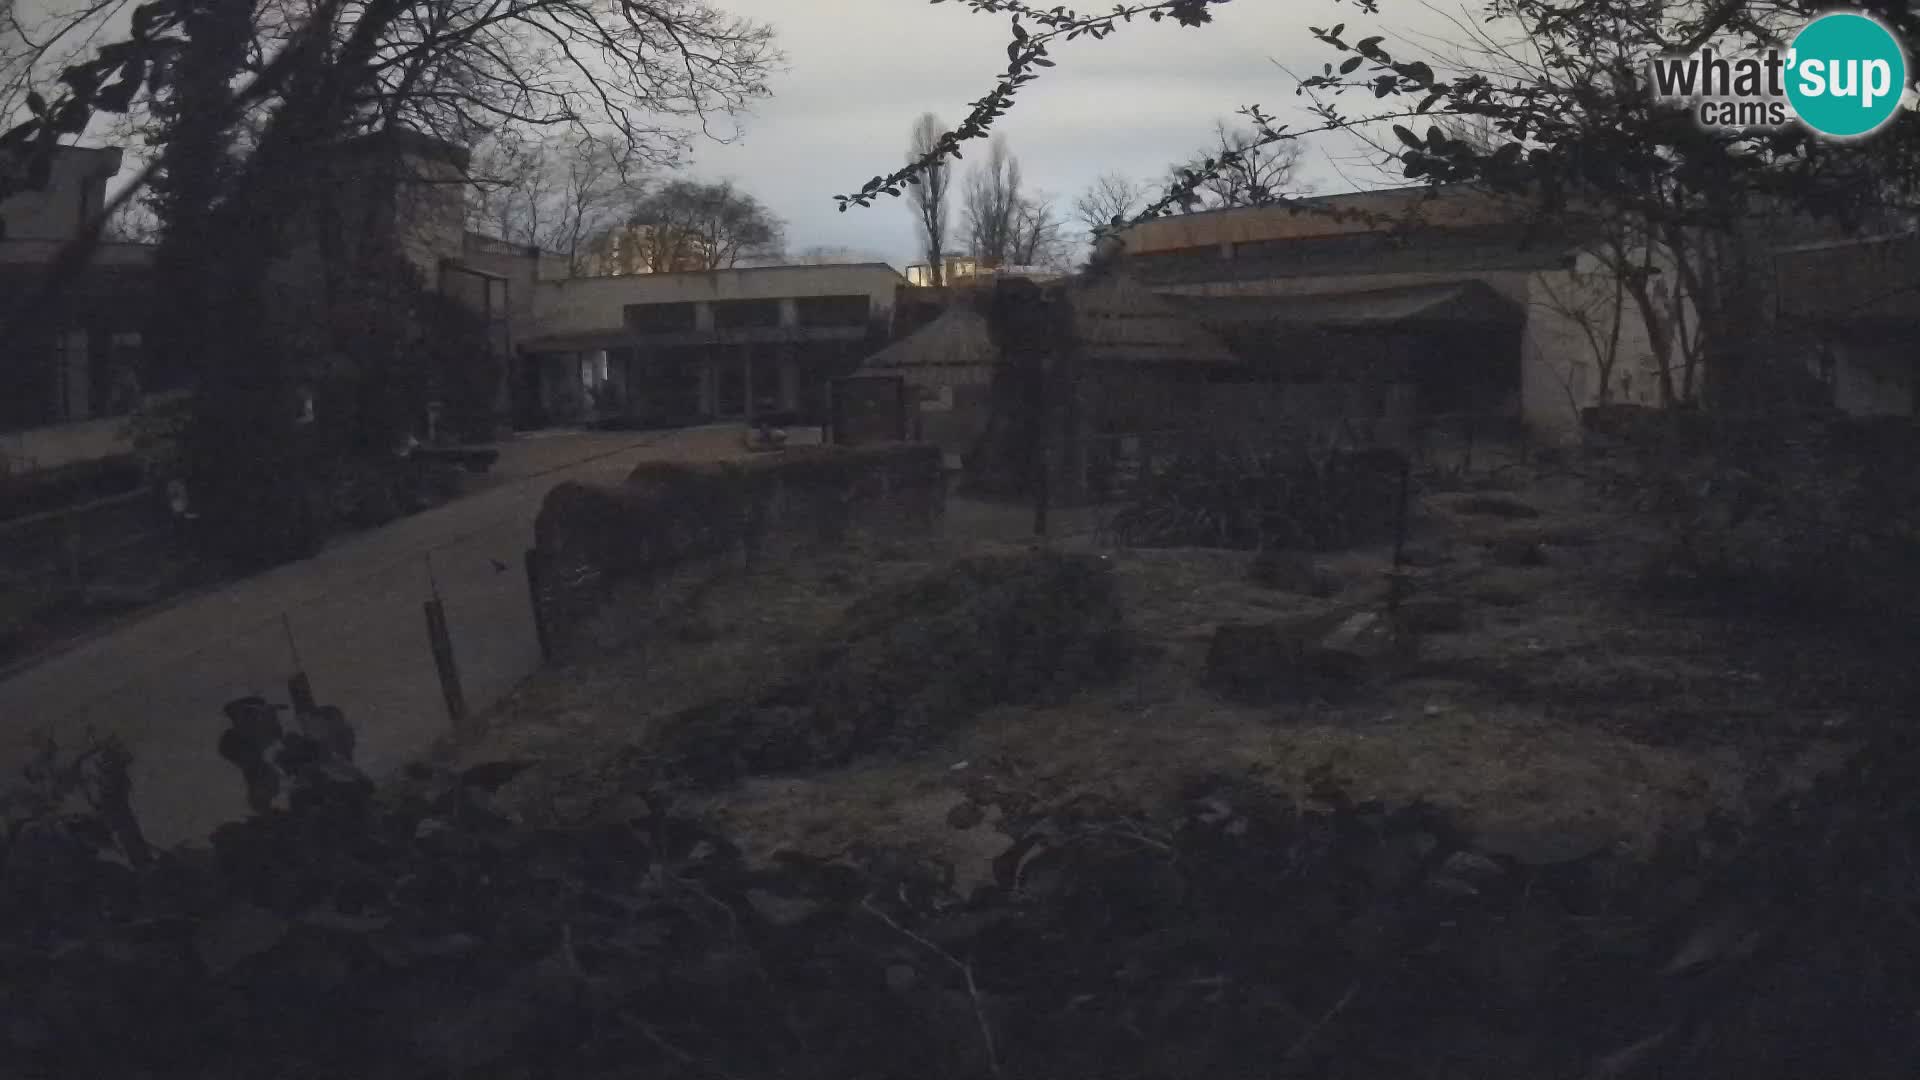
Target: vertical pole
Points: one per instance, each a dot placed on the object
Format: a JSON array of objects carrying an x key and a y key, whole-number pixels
[
  {"x": 440, "y": 641},
  {"x": 299, "y": 690},
  {"x": 1042, "y": 445},
  {"x": 539, "y": 609},
  {"x": 442, "y": 645}
]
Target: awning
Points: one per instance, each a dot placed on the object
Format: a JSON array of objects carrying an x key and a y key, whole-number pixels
[{"x": 1458, "y": 305}]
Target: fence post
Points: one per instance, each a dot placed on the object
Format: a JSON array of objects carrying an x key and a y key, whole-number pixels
[
  {"x": 443, "y": 662},
  {"x": 535, "y": 581}
]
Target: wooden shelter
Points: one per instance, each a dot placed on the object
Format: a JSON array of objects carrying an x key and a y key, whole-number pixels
[{"x": 948, "y": 366}]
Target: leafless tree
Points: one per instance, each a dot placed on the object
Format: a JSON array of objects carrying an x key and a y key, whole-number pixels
[
  {"x": 37, "y": 41},
  {"x": 929, "y": 195},
  {"x": 1251, "y": 172},
  {"x": 1112, "y": 196},
  {"x": 689, "y": 225},
  {"x": 993, "y": 205},
  {"x": 833, "y": 255},
  {"x": 1040, "y": 235},
  {"x": 554, "y": 194}
]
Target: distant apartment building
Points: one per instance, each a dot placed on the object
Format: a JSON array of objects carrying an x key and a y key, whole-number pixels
[
  {"x": 960, "y": 269},
  {"x": 954, "y": 267},
  {"x": 711, "y": 344},
  {"x": 1450, "y": 285}
]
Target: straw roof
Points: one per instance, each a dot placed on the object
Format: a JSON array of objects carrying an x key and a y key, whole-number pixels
[
  {"x": 957, "y": 338},
  {"x": 1119, "y": 322},
  {"x": 1458, "y": 303}
]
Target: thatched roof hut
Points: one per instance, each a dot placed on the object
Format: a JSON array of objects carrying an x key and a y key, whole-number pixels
[
  {"x": 957, "y": 338},
  {"x": 1118, "y": 322}
]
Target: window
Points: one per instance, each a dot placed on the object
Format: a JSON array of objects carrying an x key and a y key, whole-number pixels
[
  {"x": 661, "y": 318},
  {"x": 745, "y": 314},
  {"x": 833, "y": 310}
]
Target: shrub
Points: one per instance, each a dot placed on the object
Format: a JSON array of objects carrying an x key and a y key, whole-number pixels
[
  {"x": 1292, "y": 497},
  {"x": 909, "y": 663},
  {"x": 345, "y": 931},
  {"x": 1810, "y": 517}
]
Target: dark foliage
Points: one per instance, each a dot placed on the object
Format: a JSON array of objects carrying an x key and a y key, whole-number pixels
[
  {"x": 1812, "y": 516},
  {"x": 422, "y": 932},
  {"x": 1291, "y": 497},
  {"x": 910, "y": 663}
]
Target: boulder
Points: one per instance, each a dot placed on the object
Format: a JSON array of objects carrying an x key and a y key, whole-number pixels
[
  {"x": 1303, "y": 657},
  {"x": 1293, "y": 572},
  {"x": 1492, "y": 505},
  {"x": 1517, "y": 551},
  {"x": 1432, "y": 614}
]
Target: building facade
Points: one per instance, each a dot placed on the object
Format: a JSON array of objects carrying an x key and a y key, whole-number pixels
[
  {"x": 716, "y": 344},
  {"x": 1344, "y": 264},
  {"x": 71, "y": 363}
]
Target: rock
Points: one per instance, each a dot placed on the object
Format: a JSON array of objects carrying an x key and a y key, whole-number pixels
[
  {"x": 965, "y": 815},
  {"x": 780, "y": 910},
  {"x": 1549, "y": 846},
  {"x": 1293, "y": 572},
  {"x": 1517, "y": 551},
  {"x": 1432, "y": 614},
  {"x": 1424, "y": 556},
  {"x": 902, "y": 978},
  {"x": 1496, "y": 506},
  {"x": 1465, "y": 873},
  {"x": 1303, "y": 656}
]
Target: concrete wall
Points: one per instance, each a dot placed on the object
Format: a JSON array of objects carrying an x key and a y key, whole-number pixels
[
  {"x": 1558, "y": 371},
  {"x": 431, "y": 212},
  {"x": 1872, "y": 379},
  {"x": 597, "y": 304},
  {"x": 76, "y": 189},
  {"x": 608, "y": 562},
  {"x": 1571, "y": 318}
]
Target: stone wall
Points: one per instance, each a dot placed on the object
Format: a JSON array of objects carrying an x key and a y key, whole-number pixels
[{"x": 672, "y": 527}]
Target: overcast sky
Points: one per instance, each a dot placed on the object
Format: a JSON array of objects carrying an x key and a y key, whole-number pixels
[{"x": 858, "y": 73}]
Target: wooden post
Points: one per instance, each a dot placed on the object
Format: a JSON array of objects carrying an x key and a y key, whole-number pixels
[
  {"x": 442, "y": 644},
  {"x": 300, "y": 692},
  {"x": 539, "y": 610},
  {"x": 1042, "y": 447}
]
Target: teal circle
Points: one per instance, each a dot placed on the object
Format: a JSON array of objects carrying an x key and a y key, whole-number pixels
[{"x": 1850, "y": 49}]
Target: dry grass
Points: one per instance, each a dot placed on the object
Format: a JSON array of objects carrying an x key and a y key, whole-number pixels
[{"x": 1561, "y": 704}]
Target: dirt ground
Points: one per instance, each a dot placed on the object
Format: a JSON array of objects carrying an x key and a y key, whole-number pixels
[{"x": 1566, "y": 708}]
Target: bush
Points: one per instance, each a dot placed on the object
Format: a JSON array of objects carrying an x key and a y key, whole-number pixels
[
  {"x": 909, "y": 663},
  {"x": 345, "y": 932},
  {"x": 1217, "y": 496},
  {"x": 1810, "y": 517}
]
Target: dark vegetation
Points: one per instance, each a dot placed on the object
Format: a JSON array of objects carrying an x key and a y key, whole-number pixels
[
  {"x": 911, "y": 663},
  {"x": 418, "y": 929},
  {"x": 1290, "y": 496}
]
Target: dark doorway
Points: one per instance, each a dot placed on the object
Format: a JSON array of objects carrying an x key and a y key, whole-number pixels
[{"x": 731, "y": 391}]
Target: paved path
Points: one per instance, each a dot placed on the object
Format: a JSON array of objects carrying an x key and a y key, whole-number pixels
[{"x": 355, "y": 616}]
